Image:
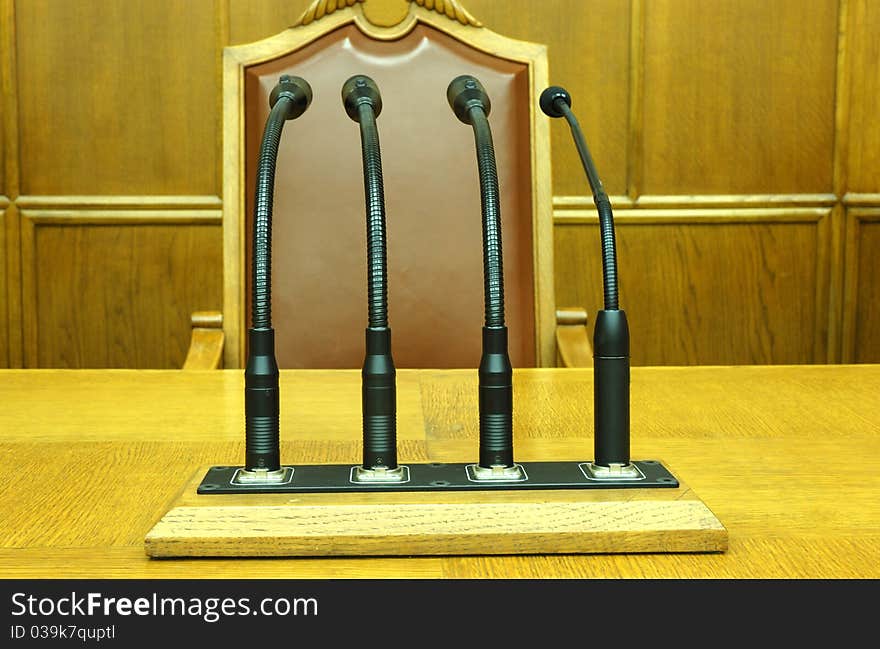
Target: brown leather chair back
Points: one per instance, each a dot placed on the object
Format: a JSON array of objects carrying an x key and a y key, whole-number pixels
[{"x": 432, "y": 198}]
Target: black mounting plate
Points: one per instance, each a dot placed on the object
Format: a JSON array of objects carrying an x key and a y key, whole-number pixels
[{"x": 436, "y": 476}]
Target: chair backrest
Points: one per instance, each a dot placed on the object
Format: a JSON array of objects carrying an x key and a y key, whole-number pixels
[{"x": 435, "y": 283}]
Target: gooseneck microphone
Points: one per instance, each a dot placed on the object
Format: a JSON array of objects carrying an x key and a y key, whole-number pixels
[
  {"x": 471, "y": 105},
  {"x": 611, "y": 374},
  {"x": 363, "y": 103},
  {"x": 289, "y": 99}
]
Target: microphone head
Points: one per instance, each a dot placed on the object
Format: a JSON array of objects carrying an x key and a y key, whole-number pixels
[
  {"x": 549, "y": 99},
  {"x": 465, "y": 92},
  {"x": 360, "y": 89},
  {"x": 297, "y": 90}
]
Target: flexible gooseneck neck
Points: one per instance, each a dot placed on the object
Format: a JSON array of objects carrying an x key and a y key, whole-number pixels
[
  {"x": 471, "y": 105},
  {"x": 289, "y": 99},
  {"x": 363, "y": 103},
  {"x": 556, "y": 102}
]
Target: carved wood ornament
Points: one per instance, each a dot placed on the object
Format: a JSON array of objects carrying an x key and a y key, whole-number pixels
[{"x": 388, "y": 13}]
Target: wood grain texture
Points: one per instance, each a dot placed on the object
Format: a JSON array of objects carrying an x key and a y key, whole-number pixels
[
  {"x": 573, "y": 345},
  {"x": 237, "y": 62},
  {"x": 140, "y": 84},
  {"x": 722, "y": 81},
  {"x": 708, "y": 287},
  {"x": 12, "y": 230},
  {"x": 254, "y": 21},
  {"x": 8, "y": 118},
  {"x": 4, "y": 287},
  {"x": 111, "y": 289},
  {"x": 863, "y": 133},
  {"x": 205, "y": 349},
  {"x": 206, "y": 342},
  {"x": 439, "y": 523},
  {"x": 861, "y": 303},
  {"x": 750, "y": 441},
  {"x": 596, "y": 77},
  {"x": 9, "y": 136},
  {"x": 685, "y": 104}
]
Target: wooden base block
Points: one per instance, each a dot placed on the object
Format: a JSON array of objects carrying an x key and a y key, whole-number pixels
[{"x": 565, "y": 521}]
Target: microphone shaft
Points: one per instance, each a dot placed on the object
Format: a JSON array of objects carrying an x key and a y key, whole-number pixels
[
  {"x": 262, "y": 426},
  {"x": 378, "y": 376},
  {"x": 611, "y": 382},
  {"x": 496, "y": 372}
]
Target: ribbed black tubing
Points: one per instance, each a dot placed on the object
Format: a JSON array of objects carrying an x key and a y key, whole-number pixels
[
  {"x": 493, "y": 268},
  {"x": 265, "y": 190},
  {"x": 603, "y": 206},
  {"x": 374, "y": 197}
]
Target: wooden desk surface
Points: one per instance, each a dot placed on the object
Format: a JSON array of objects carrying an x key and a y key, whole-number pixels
[{"x": 788, "y": 459}]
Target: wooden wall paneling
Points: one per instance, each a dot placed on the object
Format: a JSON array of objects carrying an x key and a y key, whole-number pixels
[
  {"x": 735, "y": 286},
  {"x": 863, "y": 128},
  {"x": 839, "y": 181},
  {"x": 635, "y": 143},
  {"x": 739, "y": 96},
  {"x": 588, "y": 48},
  {"x": 251, "y": 21},
  {"x": 861, "y": 312},
  {"x": 4, "y": 286},
  {"x": 115, "y": 288},
  {"x": 10, "y": 286},
  {"x": 7, "y": 89},
  {"x": 222, "y": 27},
  {"x": 117, "y": 97},
  {"x": 10, "y": 325},
  {"x": 836, "y": 252}
]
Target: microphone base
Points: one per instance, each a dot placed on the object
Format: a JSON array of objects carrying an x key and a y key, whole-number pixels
[
  {"x": 496, "y": 473},
  {"x": 379, "y": 475},
  {"x": 263, "y": 476},
  {"x": 443, "y": 477},
  {"x": 613, "y": 471},
  {"x": 323, "y": 513}
]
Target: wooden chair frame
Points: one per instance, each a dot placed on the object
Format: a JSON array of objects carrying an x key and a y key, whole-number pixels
[{"x": 559, "y": 337}]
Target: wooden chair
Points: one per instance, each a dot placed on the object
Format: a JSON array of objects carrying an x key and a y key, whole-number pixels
[{"x": 319, "y": 308}]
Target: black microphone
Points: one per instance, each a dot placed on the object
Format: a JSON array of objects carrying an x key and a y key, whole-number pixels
[
  {"x": 289, "y": 99},
  {"x": 611, "y": 377},
  {"x": 363, "y": 103},
  {"x": 470, "y": 103}
]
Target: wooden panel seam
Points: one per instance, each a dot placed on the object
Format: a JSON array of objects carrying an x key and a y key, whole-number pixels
[
  {"x": 841, "y": 103},
  {"x": 635, "y": 157},
  {"x": 9, "y": 83},
  {"x": 698, "y": 216},
  {"x": 11, "y": 164},
  {"x": 134, "y": 217},
  {"x": 854, "y": 218},
  {"x": 120, "y": 202},
  {"x": 835, "y": 284},
  {"x": 4, "y": 285},
  {"x": 822, "y": 321},
  {"x": 711, "y": 200},
  {"x": 851, "y": 198}
]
